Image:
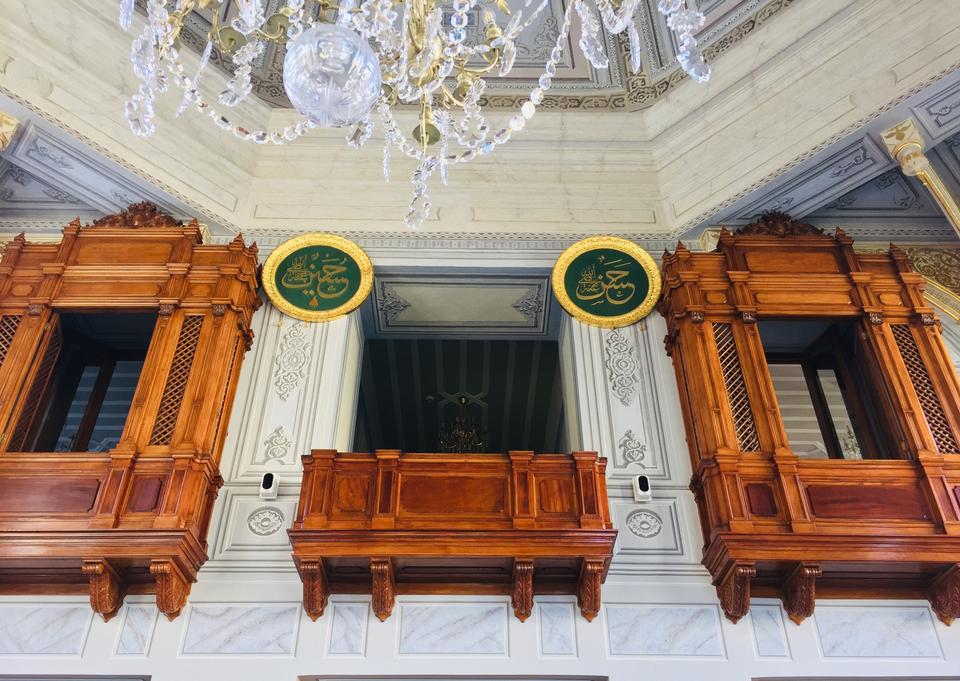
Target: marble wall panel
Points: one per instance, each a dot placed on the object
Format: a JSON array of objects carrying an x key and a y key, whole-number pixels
[
  {"x": 453, "y": 629},
  {"x": 136, "y": 631},
  {"x": 348, "y": 632},
  {"x": 216, "y": 629},
  {"x": 664, "y": 630},
  {"x": 44, "y": 630},
  {"x": 768, "y": 631},
  {"x": 558, "y": 631},
  {"x": 876, "y": 631}
]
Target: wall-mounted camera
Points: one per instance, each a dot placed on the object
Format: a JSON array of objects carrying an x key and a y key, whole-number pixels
[
  {"x": 641, "y": 488},
  {"x": 269, "y": 486}
]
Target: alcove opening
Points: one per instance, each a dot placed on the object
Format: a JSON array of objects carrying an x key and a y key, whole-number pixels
[
  {"x": 832, "y": 400},
  {"x": 436, "y": 395},
  {"x": 82, "y": 404}
]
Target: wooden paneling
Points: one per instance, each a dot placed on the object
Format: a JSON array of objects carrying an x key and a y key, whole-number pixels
[
  {"x": 867, "y": 502},
  {"x": 452, "y": 494},
  {"x": 144, "y": 494},
  {"x": 49, "y": 495},
  {"x": 786, "y": 522},
  {"x": 762, "y": 502},
  {"x": 141, "y": 510},
  {"x": 453, "y": 523}
]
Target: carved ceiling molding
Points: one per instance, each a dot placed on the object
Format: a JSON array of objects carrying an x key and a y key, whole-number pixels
[
  {"x": 192, "y": 208},
  {"x": 767, "y": 191},
  {"x": 625, "y": 91}
]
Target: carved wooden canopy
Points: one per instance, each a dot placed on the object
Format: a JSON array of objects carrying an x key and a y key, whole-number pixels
[
  {"x": 797, "y": 527},
  {"x": 134, "y": 518}
]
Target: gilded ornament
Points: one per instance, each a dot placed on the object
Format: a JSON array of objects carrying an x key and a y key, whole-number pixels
[
  {"x": 8, "y": 128},
  {"x": 606, "y": 281},
  {"x": 317, "y": 277}
]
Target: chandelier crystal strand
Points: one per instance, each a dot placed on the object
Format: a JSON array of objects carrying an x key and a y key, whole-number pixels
[{"x": 356, "y": 57}]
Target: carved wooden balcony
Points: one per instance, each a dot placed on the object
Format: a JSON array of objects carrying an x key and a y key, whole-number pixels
[
  {"x": 132, "y": 518},
  {"x": 389, "y": 523},
  {"x": 779, "y": 524}
]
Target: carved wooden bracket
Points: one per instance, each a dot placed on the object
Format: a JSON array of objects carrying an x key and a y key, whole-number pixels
[
  {"x": 944, "y": 594},
  {"x": 315, "y": 591},
  {"x": 588, "y": 591},
  {"x": 172, "y": 587},
  {"x": 734, "y": 590},
  {"x": 522, "y": 598},
  {"x": 799, "y": 591},
  {"x": 106, "y": 588},
  {"x": 384, "y": 589}
]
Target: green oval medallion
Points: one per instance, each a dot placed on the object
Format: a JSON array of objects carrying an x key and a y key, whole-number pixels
[
  {"x": 317, "y": 277},
  {"x": 606, "y": 281}
]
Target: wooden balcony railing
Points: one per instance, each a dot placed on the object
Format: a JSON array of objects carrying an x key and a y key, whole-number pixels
[{"x": 389, "y": 523}]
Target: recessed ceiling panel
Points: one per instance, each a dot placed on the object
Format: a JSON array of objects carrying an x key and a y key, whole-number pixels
[{"x": 459, "y": 305}]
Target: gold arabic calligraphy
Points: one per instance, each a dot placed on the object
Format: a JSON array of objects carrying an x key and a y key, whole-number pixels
[
  {"x": 608, "y": 285},
  {"x": 318, "y": 278}
]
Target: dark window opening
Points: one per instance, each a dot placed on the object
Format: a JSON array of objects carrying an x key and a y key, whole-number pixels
[
  {"x": 460, "y": 396},
  {"x": 832, "y": 399},
  {"x": 88, "y": 395}
]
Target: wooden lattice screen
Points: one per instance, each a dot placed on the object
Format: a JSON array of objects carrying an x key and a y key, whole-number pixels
[
  {"x": 176, "y": 383},
  {"x": 743, "y": 421},
  {"x": 932, "y": 409}
]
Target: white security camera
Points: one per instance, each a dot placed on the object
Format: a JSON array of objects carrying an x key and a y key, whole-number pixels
[
  {"x": 641, "y": 488},
  {"x": 269, "y": 486}
]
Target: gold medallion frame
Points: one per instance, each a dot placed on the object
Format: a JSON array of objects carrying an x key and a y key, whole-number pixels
[
  {"x": 641, "y": 256},
  {"x": 317, "y": 239}
]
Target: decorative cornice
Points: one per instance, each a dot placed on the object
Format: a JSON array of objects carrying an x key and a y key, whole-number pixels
[{"x": 706, "y": 215}]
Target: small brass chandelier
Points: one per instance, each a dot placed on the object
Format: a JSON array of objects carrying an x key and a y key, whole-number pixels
[{"x": 347, "y": 61}]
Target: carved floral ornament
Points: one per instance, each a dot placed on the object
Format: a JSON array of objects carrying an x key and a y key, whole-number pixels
[
  {"x": 140, "y": 215},
  {"x": 778, "y": 224},
  {"x": 623, "y": 372}
]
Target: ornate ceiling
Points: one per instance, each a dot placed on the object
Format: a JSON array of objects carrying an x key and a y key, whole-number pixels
[
  {"x": 577, "y": 85},
  {"x": 791, "y": 119},
  {"x": 856, "y": 184}
]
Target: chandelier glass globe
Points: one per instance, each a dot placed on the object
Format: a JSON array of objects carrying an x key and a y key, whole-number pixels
[{"x": 331, "y": 75}]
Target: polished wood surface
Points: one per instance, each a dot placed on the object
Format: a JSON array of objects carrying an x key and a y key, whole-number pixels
[
  {"x": 388, "y": 523},
  {"x": 135, "y": 518},
  {"x": 784, "y": 525}
]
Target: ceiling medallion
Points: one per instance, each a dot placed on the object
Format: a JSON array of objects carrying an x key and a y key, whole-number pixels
[
  {"x": 346, "y": 61},
  {"x": 317, "y": 277},
  {"x": 606, "y": 281}
]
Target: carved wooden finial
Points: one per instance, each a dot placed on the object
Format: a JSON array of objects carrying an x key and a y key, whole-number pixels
[
  {"x": 143, "y": 214},
  {"x": 776, "y": 223}
]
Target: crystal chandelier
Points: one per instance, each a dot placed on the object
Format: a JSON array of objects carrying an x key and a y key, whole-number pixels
[{"x": 348, "y": 62}]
